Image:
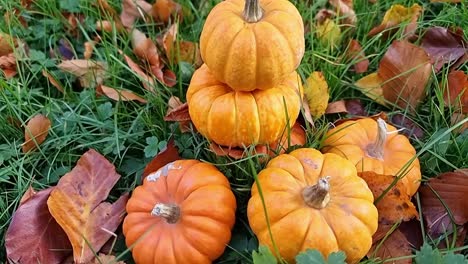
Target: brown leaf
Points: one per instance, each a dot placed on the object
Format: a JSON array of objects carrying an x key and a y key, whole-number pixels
[
  {"x": 148, "y": 82},
  {"x": 396, "y": 204},
  {"x": 408, "y": 126},
  {"x": 357, "y": 56},
  {"x": 405, "y": 70},
  {"x": 164, "y": 10},
  {"x": 235, "y": 153},
  {"x": 336, "y": 107},
  {"x": 35, "y": 132},
  {"x": 28, "y": 194},
  {"x": 452, "y": 188},
  {"x": 444, "y": 46},
  {"x": 178, "y": 112},
  {"x": 34, "y": 236},
  {"x": 108, "y": 26},
  {"x": 105, "y": 259},
  {"x": 306, "y": 113},
  {"x": 53, "y": 81},
  {"x": 119, "y": 95},
  {"x": 169, "y": 78},
  {"x": 457, "y": 118},
  {"x": 345, "y": 9},
  {"x": 145, "y": 49},
  {"x": 395, "y": 245},
  {"x": 89, "y": 47},
  {"x": 352, "y": 107},
  {"x": 132, "y": 10},
  {"x": 76, "y": 204},
  {"x": 396, "y": 15},
  {"x": 165, "y": 156},
  {"x": 7, "y": 44},
  {"x": 90, "y": 73},
  {"x": 169, "y": 38},
  {"x": 456, "y": 93},
  {"x": 8, "y": 65}
]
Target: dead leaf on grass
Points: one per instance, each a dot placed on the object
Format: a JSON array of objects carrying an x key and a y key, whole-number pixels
[
  {"x": 397, "y": 16},
  {"x": 371, "y": 86},
  {"x": 89, "y": 48},
  {"x": 178, "y": 112},
  {"x": 164, "y": 157},
  {"x": 316, "y": 92},
  {"x": 8, "y": 65},
  {"x": 90, "y": 73},
  {"x": 77, "y": 205},
  {"x": 35, "y": 132},
  {"x": 119, "y": 94},
  {"x": 408, "y": 126},
  {"x": 357, "y": 56},
  {"x": 345, "y": 9},
  {"x": 148, "y": 82},
  {"x": 53, "y": 81},
  {"x": 444, "y": 46},
  {"x": 28, "y": 194},
  {"x": 132, "y": 10},
  {"x": 165, "y": 10},
  {"x": 396, "y": 204},
  {"x": 105, "y": 259},
  {"x": 34, "y": 236},
  {"x": 456, "y": 92},
  {"x": 395, "y": 245},
  {"x": 352, "y": 107}
]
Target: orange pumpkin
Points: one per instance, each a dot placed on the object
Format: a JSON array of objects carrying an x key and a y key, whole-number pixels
[
  {"x": 183, "y": 213},
  {"x": 376, "y": 146},
  {"x": 238, "y": 119},
  {"x": 252, "y": 44},
  {"x": 313, "y": 200}
]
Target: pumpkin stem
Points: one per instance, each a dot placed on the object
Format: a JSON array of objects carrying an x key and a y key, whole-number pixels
[
  {"x": 376, "y": 150},
  {"x": 170, "y": 212},
  {"x": 317, "y": 196},
  {"x": 252, "y": 11}
]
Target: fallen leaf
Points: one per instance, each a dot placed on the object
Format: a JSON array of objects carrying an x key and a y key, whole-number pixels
[
  {"x": 8, "y": 65},
  {"x": 457, "y": 118},
  {"x": 188, "y": 52},
  {"x": 396, "y": 204},
  {"x": 148, "y": 82},
  {"x": 371, "y": 86},
  {"x": 408, "y": 127},
  {"x": 444, "y": 46},
  {"x": 65, "y": 49},
  {"x": 235, "y": 153},
  {"x": 164, "y": 157},
  {"x": 53, "y": 81},
  {"x": 89, "y": 47},
  {"x": 35, "y": 132},
  {"x": 7, "y": 44},
  {"x": 451, "y": 188},
  {"x": 119, "y": 95},
  {"x": 34, "y": 236},
  {"x": 336, "y": 107},
  {"x": 396, "y": 16},
  {"x": 345, "y": 9},
  {"x": 355, "y": 107},
  {"x": 329, "y": 33},
  {"x": 178, "y": 112},
  {"x": 324, "y": 14},
  {"x": 164, "y": 10},
  {"x": 145, "y": 49},
  {"x": 316, "y": 92},
  {"x": 76, "y": 204},
  {"x": 169, "y": 78},
  {"x": 395, "y": 245},
  {"x": 357, "y": 56},
  {"x": 405, "y": 70},
  {"x": 169, "y": 38},
  {"x": 108, "y": 26},
  {"x": 132, "y": 10},
  {"x": 90, "y": 73},
  {"x": 105, "y": 259},
  {"x": 28, "y": 194},
  {"x": 456, "y": 92},
  {"x": 107, "y": 10}
]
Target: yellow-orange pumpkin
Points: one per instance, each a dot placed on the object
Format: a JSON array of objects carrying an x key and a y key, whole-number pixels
[
  {"x": 252, "y": 44},
  {"x": 183, "y": 213},
  {"x": 316, "y": 201},
  {"x": 238, "y": 119},
  {"x": 376, "y": 146}
]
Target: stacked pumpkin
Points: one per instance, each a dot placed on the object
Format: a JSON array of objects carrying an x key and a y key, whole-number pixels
[{"x": 248, "y": 91}]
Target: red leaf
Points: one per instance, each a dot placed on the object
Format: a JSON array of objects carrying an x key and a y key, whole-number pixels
[
  {"x": 456, "y": 94},
  {"x": 395, "y": 245},
  {"x": 30, "y": 192},
  {"x": 34, "y": 236},
  {"x": 168, "y": 155},
  {"x": 444, "y": 46}
]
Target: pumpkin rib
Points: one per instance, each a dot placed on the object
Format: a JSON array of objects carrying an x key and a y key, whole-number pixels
[
  {"x": 229, "y": 56},
  {"x": 283, "y": 35},
  {"x": 360, "y": 200},
  {"x": 330, "y": 230}
]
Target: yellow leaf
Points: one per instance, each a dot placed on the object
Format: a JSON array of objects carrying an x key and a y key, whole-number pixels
[
  {"x": 316, "y": 92},
  {"x": 329, "y": 33},
  {"x": 371, "y": 86},
  {"x": 396, "y": 15}
]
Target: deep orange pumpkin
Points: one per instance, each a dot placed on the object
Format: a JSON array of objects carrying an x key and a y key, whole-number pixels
[
  {"x": 252, "y": 44},
  {"x": 183, "y": 213},
  {"x": 238, "y": 119}
]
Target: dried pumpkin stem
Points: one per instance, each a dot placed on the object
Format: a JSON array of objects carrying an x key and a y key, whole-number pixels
[
  {"x": 317, "y": 196},
  {"x": 376, "y": 150},
  {"x": 252, "y": 11},
  {"x": 170, "y": 212}
]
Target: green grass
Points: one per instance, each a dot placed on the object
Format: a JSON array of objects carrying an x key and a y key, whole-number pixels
[{"x": 119, "y": 130}]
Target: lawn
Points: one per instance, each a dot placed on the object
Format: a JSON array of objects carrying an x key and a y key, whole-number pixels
[{"x": 44, "y": 88}]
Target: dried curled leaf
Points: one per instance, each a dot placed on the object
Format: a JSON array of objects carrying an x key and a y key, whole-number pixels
[
  {"x": 316, "y": 92},
  {"x": 35, "y": 132},
  {"x": 34, "y": 236},
  {"x": 397, "y": 15},
  {"x": 90, "y": 73},
  {"x": 444, "y": 46},
  {"x": 164, "y": 157},
  {"x": 119, "y": 95},
  {"x": 76, "y": 204},
  {"x": 456, "y": 92},
  {"x": 405, "y": 70},
  {"x": 396, "y": 204}
]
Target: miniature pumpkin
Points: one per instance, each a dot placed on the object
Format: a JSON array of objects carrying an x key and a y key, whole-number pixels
[
  {"x": 183, "y": 213},
  {"x": 252, "y": 44},
  {"x": 376, "y": 146},
  {"x": 313, "y": 200},
  {"x": 238, "y": 119}
]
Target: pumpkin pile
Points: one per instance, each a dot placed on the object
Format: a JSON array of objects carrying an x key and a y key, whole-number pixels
[{"x": 248, "y": 92}]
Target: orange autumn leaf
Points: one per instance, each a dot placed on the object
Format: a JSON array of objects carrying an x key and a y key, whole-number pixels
[
  {"x": 405, "y": 70},
  {"x": 145, "y": 49},
  {"x": 53, "y": 81},
  {"x": 396, "y": 204},
  {"x": 336, "y": 107},
  {"x": 164, "y": 10},
  {"x": 107, "y": 26},
  {"x": 89, "y": 47},
  {"x": 76, "y": 203},
  {"x": 396, "y": 16},
  {"x": 456, "y": 92},
  {"x": 119, "y": 94},
  {"x": 178, "y": 112},
  {"x": 35, "y": 132},
  {"x": 8, "y": 65},
  {"x": 148, "y": 82},
  {"x": 357, "y": 56},
  {"x": 165, "y": 156}
]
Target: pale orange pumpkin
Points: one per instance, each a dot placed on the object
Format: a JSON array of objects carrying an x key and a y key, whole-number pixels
[
  {"x": 183, "y": 213},
  {"x": 239, "y": 119},
  {"x": 313, "y": 201},
  {"x": 373, "y": 145},
  {"x": 252, "y": 44}
]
